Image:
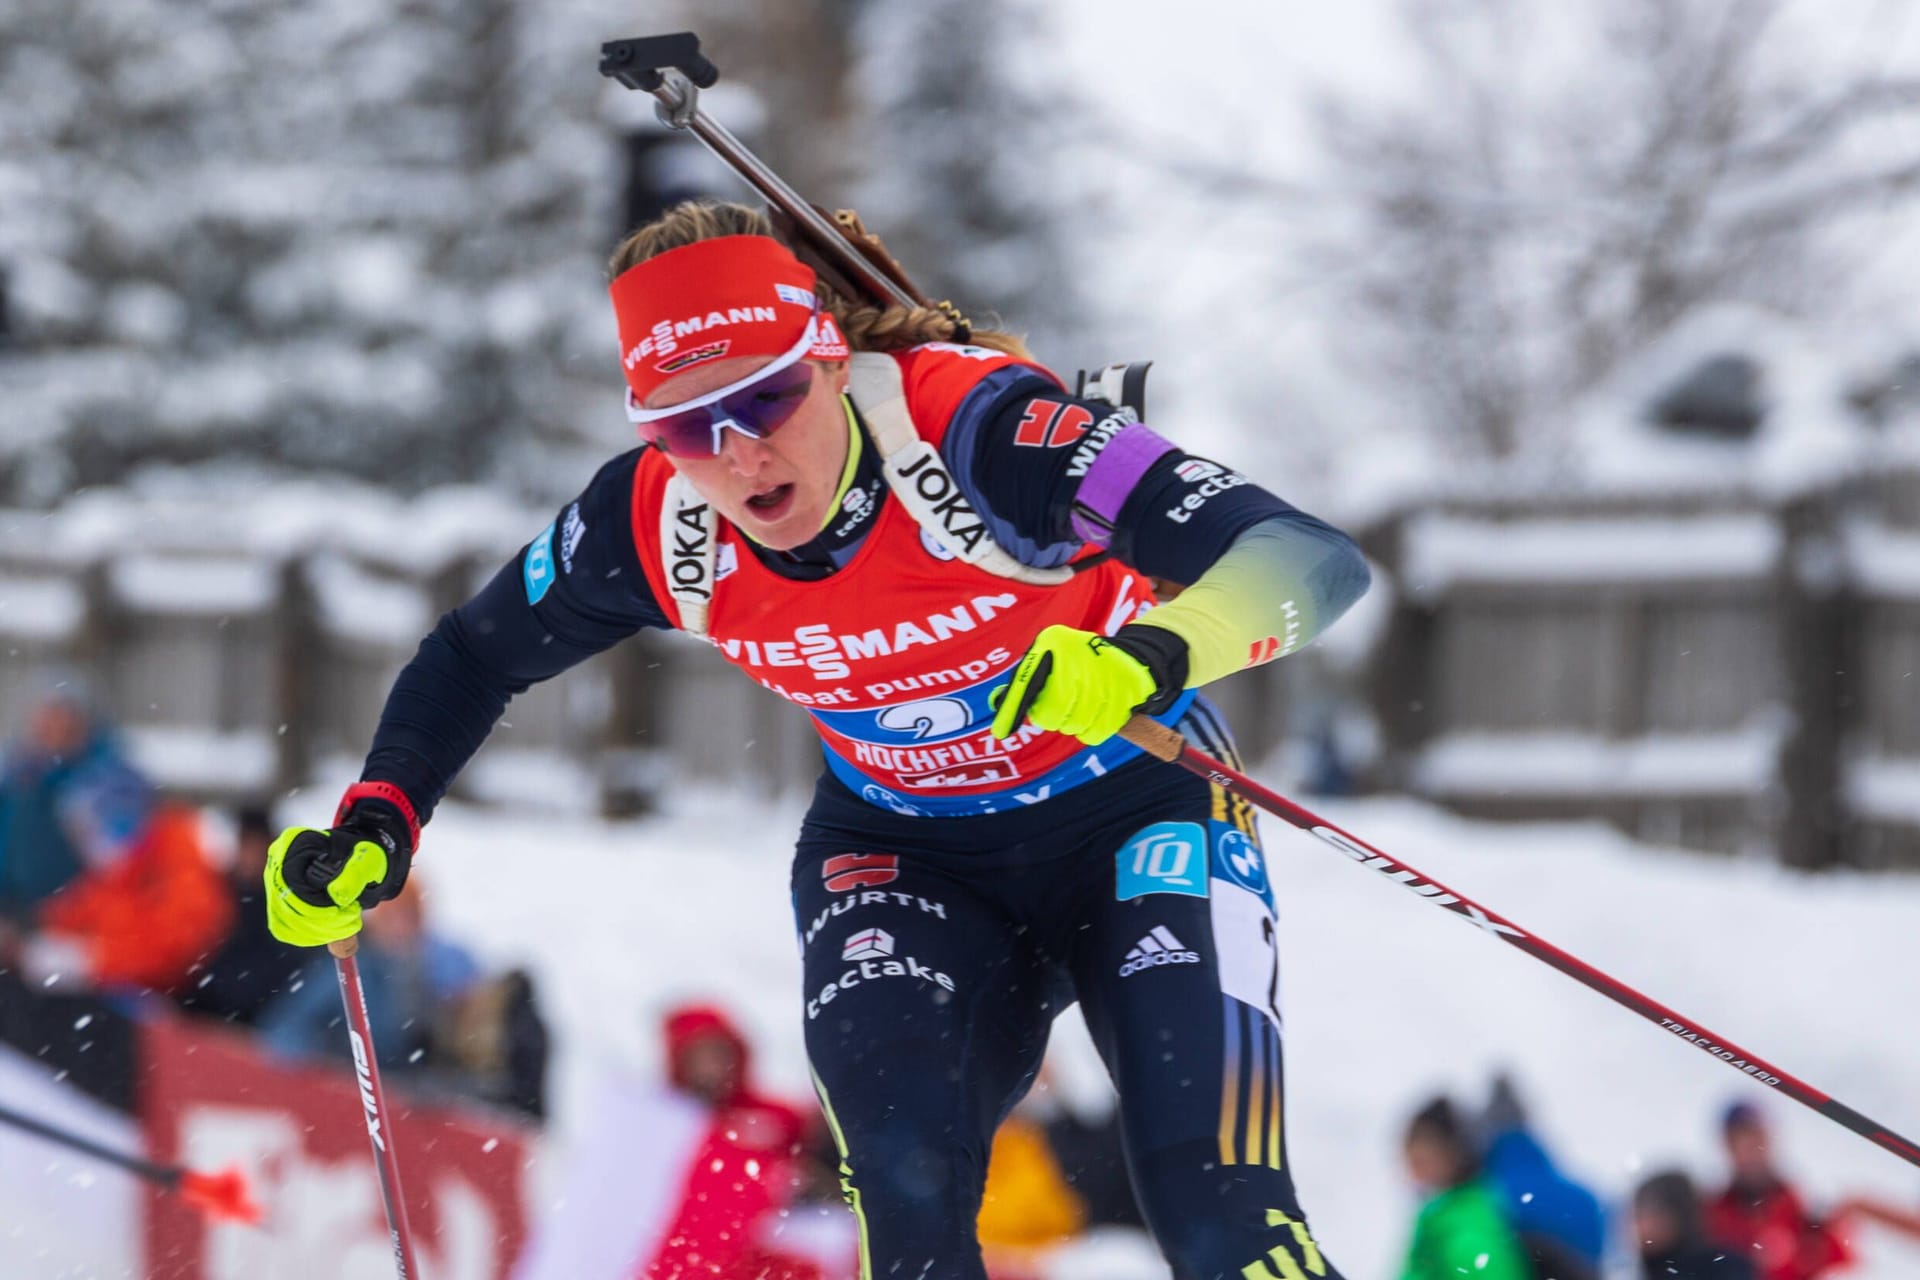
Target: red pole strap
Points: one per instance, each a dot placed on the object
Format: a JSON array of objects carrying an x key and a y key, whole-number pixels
[
  {"x": 373, "y": 1101},
  {"x": 1158, "y": 740}
]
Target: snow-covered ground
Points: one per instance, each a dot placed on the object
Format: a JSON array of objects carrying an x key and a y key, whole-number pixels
[{"x": 1387, "y": 998}]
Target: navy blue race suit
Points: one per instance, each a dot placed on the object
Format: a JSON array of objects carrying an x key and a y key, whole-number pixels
[{"x": 937, "y": 950}]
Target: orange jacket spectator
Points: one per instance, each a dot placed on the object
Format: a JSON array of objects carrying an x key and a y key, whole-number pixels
[
  {"x": 1027, "y": 1206},
  {"x": 143, "y": 918}
]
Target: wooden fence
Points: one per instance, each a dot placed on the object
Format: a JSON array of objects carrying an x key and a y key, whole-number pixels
[
  {"x": 239, "y": 674},
  {"x": 1714, "y": 671}
]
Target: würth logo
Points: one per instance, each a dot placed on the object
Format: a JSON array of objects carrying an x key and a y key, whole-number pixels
[
  {"x": 845, "y": 872},
  {"x": 868, "y": 944},
  {"x": 1156, "y": 949}
]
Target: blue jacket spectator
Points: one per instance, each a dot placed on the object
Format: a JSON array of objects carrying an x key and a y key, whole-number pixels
[
  {"x": 1562, "y": 1224},
  {"x": 68, "y": 800},
  {"x": 411, "y": 977}
]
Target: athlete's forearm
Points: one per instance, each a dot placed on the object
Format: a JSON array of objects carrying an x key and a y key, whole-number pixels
[
  {"x": 1277, "y": 586},
  {"x": 574, "y": 591},
  {"x": 442, "y": 707}
]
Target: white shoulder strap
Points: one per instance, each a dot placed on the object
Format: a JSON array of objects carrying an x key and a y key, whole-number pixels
[
  {"x": 689, "y": 548},
  {"x": 919, "y": 477}
]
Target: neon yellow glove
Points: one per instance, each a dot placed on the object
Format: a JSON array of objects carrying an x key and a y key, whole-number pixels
[
  {"x": 1075, "y": 682},
  {"x": 318, "y": 880}
]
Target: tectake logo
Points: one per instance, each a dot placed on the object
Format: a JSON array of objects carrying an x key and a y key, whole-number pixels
[
  {"x": 868, "y": 944},
  {"x": 1167, "y": 857},
  {"x": 1210, "y": 486},
  {"x": 1193, "y": 470},
  {"x": 868, "y": 962}
]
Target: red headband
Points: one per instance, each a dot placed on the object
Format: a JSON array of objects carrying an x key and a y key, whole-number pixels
[{"x": 713, "y": 300}]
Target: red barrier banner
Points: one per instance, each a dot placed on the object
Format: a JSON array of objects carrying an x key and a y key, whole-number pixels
[{"x": 212, "y": 1101}]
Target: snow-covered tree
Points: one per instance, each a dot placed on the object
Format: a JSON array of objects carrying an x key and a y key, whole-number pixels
[
  {"x": 967, "y": 185},
  {"x": 1565, "y": 182}
]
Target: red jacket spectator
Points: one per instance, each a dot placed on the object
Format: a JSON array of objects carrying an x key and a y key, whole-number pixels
[
  {"x": 143, "y": 918},
  {"x": 1760, "y": 1217},
  {"x": 745, "y": 1169}
]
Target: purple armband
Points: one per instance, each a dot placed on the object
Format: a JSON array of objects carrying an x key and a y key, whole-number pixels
[{"x": 1111, "y": 479}]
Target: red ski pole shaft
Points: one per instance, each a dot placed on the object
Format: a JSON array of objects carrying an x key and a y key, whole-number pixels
[
  {"x": 373, "y": 1101},
  {"x": 1158, "y": 740}
]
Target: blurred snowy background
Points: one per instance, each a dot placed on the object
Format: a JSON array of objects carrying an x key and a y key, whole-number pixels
[{"x": 1595, "y": 320}]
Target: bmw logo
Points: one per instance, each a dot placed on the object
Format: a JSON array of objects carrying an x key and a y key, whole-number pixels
[{"x": 1242, "y": 862}]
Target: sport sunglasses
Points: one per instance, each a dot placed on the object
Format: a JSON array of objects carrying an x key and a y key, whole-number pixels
[{"x": 756, "y": 406}]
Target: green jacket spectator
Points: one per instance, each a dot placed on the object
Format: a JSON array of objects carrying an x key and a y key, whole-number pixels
[{"x": 1461, "y": 1235}]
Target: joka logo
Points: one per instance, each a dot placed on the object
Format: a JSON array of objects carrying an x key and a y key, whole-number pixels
[
  {"x": 1240, "y": 861},
  {"x": 868, "y": 944},
  {"x": 688, "y": 567},
  {"x": 1155, "y": 950},
  {"x": 845, "y": 872},
  {"x": 1167, "y": 857}
]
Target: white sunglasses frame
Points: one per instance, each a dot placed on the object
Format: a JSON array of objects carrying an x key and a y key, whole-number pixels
[{"x": 638, "y": 415}]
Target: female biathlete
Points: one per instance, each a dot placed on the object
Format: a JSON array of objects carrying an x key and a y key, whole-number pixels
[{"x": 945, "y": 560}]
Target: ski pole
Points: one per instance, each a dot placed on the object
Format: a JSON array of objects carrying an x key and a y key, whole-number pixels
[
  {"x": 373, "y": 1100},
  {"x": 1158, "y": 740},
  {"x": 222, "y": 1196}
]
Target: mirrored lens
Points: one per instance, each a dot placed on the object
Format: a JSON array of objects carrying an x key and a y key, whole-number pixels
[{"x": 756, "y": 410}]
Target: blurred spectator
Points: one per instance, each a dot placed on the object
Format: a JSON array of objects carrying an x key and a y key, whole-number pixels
[
  {"x": 1460, "y": 1230},
  {"x": 495, "y": 1044},
  {"x": 411, "y": 974},
  {"x": 103, "y": 896},
  {"x": 250, "y": 967},
  {"x": 139, "y": 914},
  {"x": 1670, "y": 1234},
  {"x": 68, "y": 799},
  {"x": 1027, "y": 1206},
  {"x": 1090, "y": 1154},
  {"x": 1759, "y": 1216},
  {"x": 1561, "y": 1224},
  {"x": 705, "y": 1177}
]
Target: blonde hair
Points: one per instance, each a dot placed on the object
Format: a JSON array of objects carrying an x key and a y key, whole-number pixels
[{"x": 867, "y": 327}]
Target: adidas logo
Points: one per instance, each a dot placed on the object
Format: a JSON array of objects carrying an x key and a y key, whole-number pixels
[{"x": 1157, "y": 948}]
